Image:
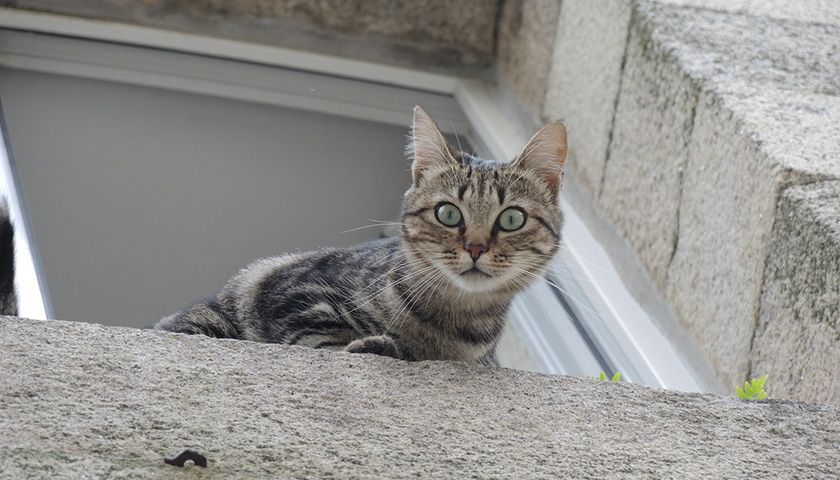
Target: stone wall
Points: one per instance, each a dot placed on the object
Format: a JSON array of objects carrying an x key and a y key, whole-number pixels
[{"x": 705, "y": 132}]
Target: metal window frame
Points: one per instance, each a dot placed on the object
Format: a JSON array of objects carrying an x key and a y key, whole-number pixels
[{"x": 604, "y": 324}]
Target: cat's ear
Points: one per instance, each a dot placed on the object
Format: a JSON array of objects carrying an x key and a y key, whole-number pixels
[
  {"x": 545, "y": 155},
  {"x": 428, "y": 149}
]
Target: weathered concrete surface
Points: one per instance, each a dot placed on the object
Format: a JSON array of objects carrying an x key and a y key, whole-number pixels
[
  {"x": 456, "y": 35},
  {"x": 642, "y": 180},
  {"x": 526, "y": 32},
  {"x": 726, "y": 212},
  {"x": 718, "y": 108},
  {"x": 767, "y": 117},
  {"x": 779, "y": 77},
  {"x": 797, "y": 342},
  {"x": 808, "y": 11},
  {"x": 86, "y": 400},
  {"x": 584, "y": 81}
]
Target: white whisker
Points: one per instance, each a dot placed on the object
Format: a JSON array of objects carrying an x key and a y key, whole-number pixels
[{"x": 377, "y": 223}]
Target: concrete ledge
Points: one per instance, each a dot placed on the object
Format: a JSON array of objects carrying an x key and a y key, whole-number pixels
[{"x": 86, "y": 400}]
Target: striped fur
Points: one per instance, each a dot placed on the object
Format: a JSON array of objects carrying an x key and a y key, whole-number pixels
[
  {"x": 433, "y": 292},
  {"x": 8, "y": 295}
]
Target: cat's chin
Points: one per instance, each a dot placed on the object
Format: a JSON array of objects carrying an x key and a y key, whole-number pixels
[
  {"x": 475, "y": 273},
  {"x": 475, "y": 280}
]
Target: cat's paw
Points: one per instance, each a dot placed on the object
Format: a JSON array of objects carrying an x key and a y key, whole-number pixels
[{"x": 379, "y": 344}]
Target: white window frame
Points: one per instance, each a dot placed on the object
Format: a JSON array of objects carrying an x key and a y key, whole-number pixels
[{"x": 613, "y": 323}]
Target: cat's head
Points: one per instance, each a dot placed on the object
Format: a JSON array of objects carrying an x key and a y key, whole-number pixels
[{"x": 481, "y": 225}]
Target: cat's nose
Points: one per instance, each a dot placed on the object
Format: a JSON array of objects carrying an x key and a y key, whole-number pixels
[{"x": 476, "y": 249}]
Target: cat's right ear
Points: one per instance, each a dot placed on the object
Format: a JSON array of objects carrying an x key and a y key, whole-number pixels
[{"x": 428, "y": 149}]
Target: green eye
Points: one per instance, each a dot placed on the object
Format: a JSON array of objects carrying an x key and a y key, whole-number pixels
[
  {"x": 448, "y": 214},
  {"x": 512, "y": 219}
]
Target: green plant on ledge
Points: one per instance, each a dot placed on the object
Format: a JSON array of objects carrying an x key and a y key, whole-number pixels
[
  {"x": 603, "y": 376},
  {"x": 753, "y": 390}
]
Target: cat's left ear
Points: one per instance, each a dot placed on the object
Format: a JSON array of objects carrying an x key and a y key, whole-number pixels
[{"x": 545, "y": 155}]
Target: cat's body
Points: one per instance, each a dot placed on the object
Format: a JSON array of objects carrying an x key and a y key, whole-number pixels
[
  {"x": 329, "y": 298},
  {"x": 473, "y": 234}
]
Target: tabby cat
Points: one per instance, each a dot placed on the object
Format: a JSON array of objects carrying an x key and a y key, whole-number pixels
[{"x": 474, "y": 233}]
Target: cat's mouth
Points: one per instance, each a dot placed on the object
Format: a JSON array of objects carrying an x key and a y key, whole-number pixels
[{"x": 475, "y": 272}]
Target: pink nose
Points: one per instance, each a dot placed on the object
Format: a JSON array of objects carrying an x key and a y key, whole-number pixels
[{"x": 476, "y": 249}]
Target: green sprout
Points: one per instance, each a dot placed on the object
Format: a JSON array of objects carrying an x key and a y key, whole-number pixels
[
  {"x": 603, "y": 376},
  {"x": 753, "y": 390}
]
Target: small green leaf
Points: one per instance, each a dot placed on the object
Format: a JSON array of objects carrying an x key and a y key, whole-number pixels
[
  {"x": 753, "y": 390},
  {"x": 603, "y": 376}
]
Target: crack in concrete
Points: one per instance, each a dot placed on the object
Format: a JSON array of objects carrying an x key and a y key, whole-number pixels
[
  {"x": 615, "y": 103},
  {"x": 681, "y": 173}
]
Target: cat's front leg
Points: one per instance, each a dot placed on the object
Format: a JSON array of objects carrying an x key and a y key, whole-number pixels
[{"x": 379, "y": 344}]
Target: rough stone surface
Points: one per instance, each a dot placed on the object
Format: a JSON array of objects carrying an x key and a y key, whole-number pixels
[
  {"x": 780, "y": 77},
  {"x": 797, "y": 342},
  {"x": 82, "y": 400},
  {"x": 525, "y": 40},
  {"x": 444, "y": 34},
  {"x": 642, "y": 180},
  {"x": 719, "y": 110},
  {"x": 726, "y": 212},
  {"x": 584, "y": 81},
  {"x": 769, "y": 123},
  {"x": 807, "y": 11}
]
